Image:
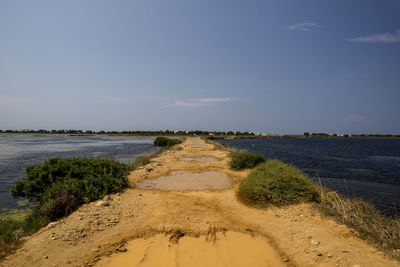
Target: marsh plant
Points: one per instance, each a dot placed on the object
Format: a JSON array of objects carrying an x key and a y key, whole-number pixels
[
  {"x": 243, "y": 159},
  {"x": 276, "y": 183}
]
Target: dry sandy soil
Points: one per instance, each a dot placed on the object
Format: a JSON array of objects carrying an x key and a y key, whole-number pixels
[{"x": 147, "y": 227}]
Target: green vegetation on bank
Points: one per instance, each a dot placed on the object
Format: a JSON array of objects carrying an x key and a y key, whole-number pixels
[
  {"x": 59, "y": 185},
  {"x": 279, "y": 184},
  {"x": 380, "y": 231},
  {"x": 243, "y": 159},
  {"x": 57, "y": 188},
  {"x": 276, "y": 183},
  {"x": 166, "y": 142}
]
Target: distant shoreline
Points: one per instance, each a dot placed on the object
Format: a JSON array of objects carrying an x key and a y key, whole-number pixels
[{"x": 208, "y": 134}]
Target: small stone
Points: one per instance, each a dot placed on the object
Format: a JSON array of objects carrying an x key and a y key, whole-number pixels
[
  {"x": 319, "y": 254},
  {"x": 46, "y": 257},
  {"x": 345, "y": 251},
  {"x": 108, "y": 198},
  {"x": 68, "y": 262},
  {"x": 329, "y": 256},
  {"x": 286, "y": 260},
  {"x": 123, "y": 249},
  {"x": 314, "y": 242},
  {"x": 52, "y": 225},
  {"x": 95, "y": 250},
  {"x": 102, "y": 203}
]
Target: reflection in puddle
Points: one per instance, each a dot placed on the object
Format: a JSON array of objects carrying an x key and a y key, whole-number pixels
[
  {"x": 184, "y": 180},
  {"x": 201, "y": 159}
]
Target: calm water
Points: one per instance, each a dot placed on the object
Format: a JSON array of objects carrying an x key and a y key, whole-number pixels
[
  {"x": 367, "y": 168},
  {"x": 20, "y": 151}
]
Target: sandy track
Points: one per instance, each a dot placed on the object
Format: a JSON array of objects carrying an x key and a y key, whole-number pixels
[{"x": 102, "y": 229}]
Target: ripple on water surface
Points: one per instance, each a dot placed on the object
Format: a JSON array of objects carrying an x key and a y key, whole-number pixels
[{"x": 184, "y": 180}]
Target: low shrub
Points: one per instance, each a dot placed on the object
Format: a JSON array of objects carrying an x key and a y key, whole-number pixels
[
  {"x": 166, "y": 142},
  {"x": 59, "y": 186},
  {"x": 277, "y": 183},
  {"x": 243, "y": 159}
]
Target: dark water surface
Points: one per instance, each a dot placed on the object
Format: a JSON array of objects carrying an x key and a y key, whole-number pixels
[
  {"x": 366, "y": 168},
  {"x": 18, "y": 151}
]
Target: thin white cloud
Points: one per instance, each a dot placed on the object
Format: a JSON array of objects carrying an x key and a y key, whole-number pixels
[
  {"x": 382, "y": 38},
  {"x": 112, "y": 98},
  {"x": 199, "y": 102},
  {"x": 304, "y": 26},
  {"x": 353, "y": 118}
]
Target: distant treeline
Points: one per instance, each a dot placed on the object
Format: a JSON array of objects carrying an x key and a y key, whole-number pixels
[
  {"x": 142, "y": 133},
  {"x": 209, "y": 134},
  {"x": 306, "y": 134}
]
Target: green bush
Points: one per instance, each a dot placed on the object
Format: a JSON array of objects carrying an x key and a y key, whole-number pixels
[
  {"x": 244, "y": 159},
  {"x": 59, "y": 186},
  {"x": 277, "y": 183},
  {"x": 166, "y": 142}
]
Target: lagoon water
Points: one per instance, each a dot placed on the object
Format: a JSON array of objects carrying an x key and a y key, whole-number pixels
[
  {"x": 18, "y": 151},
  {"x": 366, "y": 168}
]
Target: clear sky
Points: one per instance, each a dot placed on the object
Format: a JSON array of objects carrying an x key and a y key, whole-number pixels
[{"x": 267, "y": 66}]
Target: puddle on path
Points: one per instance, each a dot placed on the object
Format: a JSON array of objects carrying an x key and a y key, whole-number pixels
[
  {"x": 201, "y": 159},
  {"x": 184, "y": 180},
  {"x": 230, "y": 249}
]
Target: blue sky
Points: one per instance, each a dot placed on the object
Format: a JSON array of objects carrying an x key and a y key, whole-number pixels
[{"x": 267, "y": 66}]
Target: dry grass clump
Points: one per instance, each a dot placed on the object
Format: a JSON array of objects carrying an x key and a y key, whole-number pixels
[
  {"x": 379, "y": 230},
  {"x": 142, "y": 160}
]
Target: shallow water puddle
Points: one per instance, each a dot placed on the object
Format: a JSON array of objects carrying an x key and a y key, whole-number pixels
[
  {"x": 201, "y": 159},
  {"x": 184, "y": 180},
  {"x": 230, "y": 249}
]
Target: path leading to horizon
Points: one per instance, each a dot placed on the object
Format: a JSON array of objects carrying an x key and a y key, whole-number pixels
[{"x": 153, "y": 227}]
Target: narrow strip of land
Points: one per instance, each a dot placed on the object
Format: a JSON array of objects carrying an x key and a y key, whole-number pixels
[{"x": 143, "y": 225}]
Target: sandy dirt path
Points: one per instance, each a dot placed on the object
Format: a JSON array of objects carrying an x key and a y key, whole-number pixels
[{"x": 171, "y": 223}]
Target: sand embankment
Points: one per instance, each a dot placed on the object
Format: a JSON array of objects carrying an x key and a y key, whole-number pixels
[{"x": 189, "y": 227}]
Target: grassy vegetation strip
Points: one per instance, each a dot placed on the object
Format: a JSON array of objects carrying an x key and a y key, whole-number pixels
[
  {"x": 243, "y": 159},
  {"x": 276, "y": 183},
  {"x": 377, "y": 229}
]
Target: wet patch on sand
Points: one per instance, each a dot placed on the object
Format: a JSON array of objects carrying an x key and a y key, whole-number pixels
[
  {"x": 185, "y": 180},
  {"x": 201, "y": 159},
  {"x": 229, "y": 249}
]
